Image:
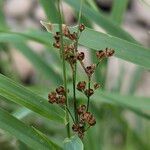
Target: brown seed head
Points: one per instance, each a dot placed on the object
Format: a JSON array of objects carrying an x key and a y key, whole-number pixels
[
  {"x": 61, "y": 99},
  {"x": 81, "y": 109},
  {"x": 73, "y": 36},
  {"x": 65, "y": 30},
  {"x": 90, "y": 69},
  {"x": 92, "y": 121},
  {"x": 56, "y": 45},
  {"x": 89, "y": 92},
  {"x": 60, "y": 90},
  {"x": 81, "y": 85},
  {"x": 75, "y": 127},
  {"x": 80, "y": 56},
  {"x": 109, "y": 52},
  {"x": 100, "y": 54},
  {"x": 96, "y": 86},
  {"x": 52, "y": 97},
  {"x": 81, "y": 27}
]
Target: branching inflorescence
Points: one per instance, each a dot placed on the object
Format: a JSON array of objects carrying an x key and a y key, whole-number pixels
[{"x": 82, "y": 118}]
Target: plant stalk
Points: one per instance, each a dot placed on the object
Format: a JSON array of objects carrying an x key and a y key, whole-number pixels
[
  {"x": 75, "y": 65},
  {"x": 64, "y": 69}
]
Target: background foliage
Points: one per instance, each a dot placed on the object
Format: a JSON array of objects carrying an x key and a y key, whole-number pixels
[{"x": 26, "y": 117}]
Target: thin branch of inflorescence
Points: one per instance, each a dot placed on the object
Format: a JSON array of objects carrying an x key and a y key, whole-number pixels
[{"x": 64, "y": 65}]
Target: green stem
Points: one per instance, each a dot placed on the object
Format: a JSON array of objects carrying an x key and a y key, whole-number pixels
[
  {"x": 88, "y": 98},
  {"x": 64, "y": 69},
  {"x": 75, "y": 65}
]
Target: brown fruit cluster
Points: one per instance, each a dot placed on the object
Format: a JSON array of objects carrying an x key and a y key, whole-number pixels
[
  {"x": 81, "y": 86},
  {"x": 108, "y": 52},
  {"x": 85, "y": 118},
  {"x": 57, "y": 96}
]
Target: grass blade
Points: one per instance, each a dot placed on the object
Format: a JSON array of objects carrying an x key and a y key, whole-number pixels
[
  {"x": 73, "y": 143},
  {"x": 109, "y": 26},
  {"x": 20, "y": 95},
  {"x": 24, "y": 133},
  {"x": 50, "y": 10},
  {"x": 118, "y": 10}
]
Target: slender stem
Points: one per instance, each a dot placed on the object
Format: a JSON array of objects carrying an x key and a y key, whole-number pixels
[
  {"x": 89, "y": 84},
  {"x": 70, "y": 114},
  {"x": 74, "y": 70},
  {"x": 64, "y": 68}
]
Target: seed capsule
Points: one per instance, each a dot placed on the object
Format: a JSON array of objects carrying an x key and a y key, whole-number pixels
[
  {"x": 100, "y": 54},
  {"x": 81, "y": 109},
  {"x": 80, "y": 56},
  {"x": 52, "y": 97},
  {"x": 96, "y": 86},
  {"x": 89, "y": 92},
  {"x": 81, "y": 27},
  {"x": 109, "y": 52},
  {"x": 61, "y": 99},
  {"x": 81, "y": 85},
  {"x": 60, "y": 90},
  {"x": 90, "y": 69},
  {"x": 56, "y": 44},
  {"x": 65, "y": 31},
  {"x": 73, "y": 36}
]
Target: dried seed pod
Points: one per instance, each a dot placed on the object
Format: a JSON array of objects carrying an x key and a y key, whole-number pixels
[
  {"x": 89, "y": 92},
  {"x": 61, "y": 99},
  {"x": 96, "y": 86},
  {"x": 52, "y": 97},
  {"x": 81, "y": 27},
  {"x": 75, "y": 127},
  {"x": 109, "y": 52},
  {"x": 100, "y": 54},
  {"x": 81, "y": 134},
  {"x": 81, "y": 109},
  {"x": 81, "y": 85},
  {"x": 56, "y": 44},
  {"x": 73, "y": 36},
  {"x": 90, "y": 69},
  {"x": 80, "y": 56},
  {"x": 60, "y": 90},
  {"x": 91, "y": 121},
  {"x": 84, "y": 117},
  {"x": 65, "y": 30}
]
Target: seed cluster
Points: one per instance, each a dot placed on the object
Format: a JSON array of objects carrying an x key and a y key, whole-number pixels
[
  {"x": 83, "y": 118},
  {"x": 57, "y": 96}
]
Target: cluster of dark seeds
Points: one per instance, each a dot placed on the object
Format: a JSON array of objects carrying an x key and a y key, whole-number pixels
[
  {"x": 71, "y": 55},
  {"x": 85, "y": 118},
  {"x": 57, "y": 96}
]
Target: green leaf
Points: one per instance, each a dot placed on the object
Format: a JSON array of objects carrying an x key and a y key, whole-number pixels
[
  {"x": 102, "y": 20},
  {"x": 123, "y": 49},
  {"x": 73, "y": 143},
  {"x": 22, "y": 132},
  {"x": 22, "y": 96},
  {"x": 136, "y": 104},
  {"x": 118, "y": 10},
  {"x": 41, "y": 66},
  {"x": 50, "y": 10}
]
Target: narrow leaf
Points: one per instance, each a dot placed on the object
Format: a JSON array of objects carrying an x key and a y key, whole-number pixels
[
  {"x": 22, "y": 96},
  {"x": 24, "y": 133},
  {"x": 73, "y": 143}
]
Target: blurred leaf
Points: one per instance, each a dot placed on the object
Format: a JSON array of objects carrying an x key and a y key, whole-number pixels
[
  {"x": 21, "y": 113},
  {"x": 22, "y": 96},
  {"x": 100, "y": 19},
  {"x": 35, "y": 59},
  {"x": 123, "y": 49},
  {"x": 50, "y": 10},
  {"x": 118, "y": 9},
  {"x": 73, "y": 143},
  {"x": 136, "y": 104},
  {"x": 24, "y": 133}
]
